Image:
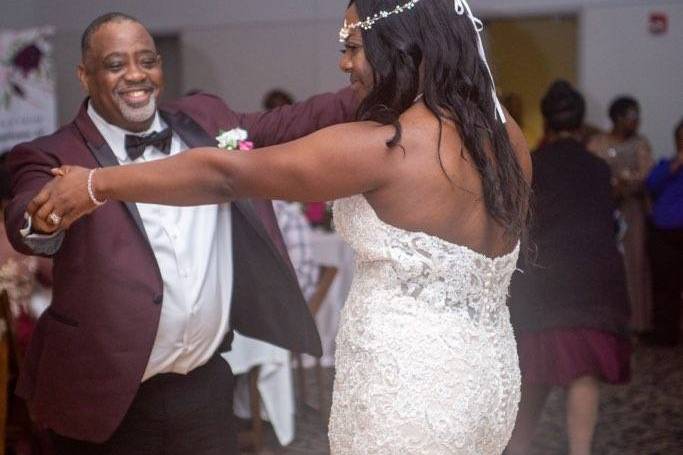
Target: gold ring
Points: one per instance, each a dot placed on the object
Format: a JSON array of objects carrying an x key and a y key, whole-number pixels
[{"x": 54, "y": 219}]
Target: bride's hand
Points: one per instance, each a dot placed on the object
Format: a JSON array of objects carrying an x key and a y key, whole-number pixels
[{"x": 63, "y": 200}]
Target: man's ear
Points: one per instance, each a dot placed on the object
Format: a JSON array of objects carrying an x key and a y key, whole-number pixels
[{"x": 82, "y": 74}]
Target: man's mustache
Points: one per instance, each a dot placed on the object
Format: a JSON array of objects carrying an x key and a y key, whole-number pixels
[{"x": 133, "y": 88}]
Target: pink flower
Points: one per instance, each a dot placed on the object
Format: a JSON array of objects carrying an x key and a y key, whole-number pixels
[
  {"x": 245, "y": 145},
  {"x": 315, "y": 212}
]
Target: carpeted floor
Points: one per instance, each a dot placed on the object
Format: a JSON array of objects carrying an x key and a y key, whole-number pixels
[{"x": 644, "y": 417}]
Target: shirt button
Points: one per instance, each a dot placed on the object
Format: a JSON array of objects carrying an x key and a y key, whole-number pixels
[{"x": 158, "y": 299}]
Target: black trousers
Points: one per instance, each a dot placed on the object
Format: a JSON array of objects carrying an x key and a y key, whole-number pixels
[
  {"x": 666, "y": 250},
  {"x": 172, "y": 414}
]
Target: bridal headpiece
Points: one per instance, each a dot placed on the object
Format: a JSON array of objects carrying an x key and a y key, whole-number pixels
[
  {"x": 461, "y": 8},
  {"x": 370, "y": 21}
]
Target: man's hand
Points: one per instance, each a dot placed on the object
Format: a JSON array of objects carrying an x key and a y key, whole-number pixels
[
  {"x": 62, "y": 201},
  {"x": 40, "y": 226}
]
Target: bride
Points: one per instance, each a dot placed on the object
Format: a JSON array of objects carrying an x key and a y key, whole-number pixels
[{"x": 432, "y": 188}]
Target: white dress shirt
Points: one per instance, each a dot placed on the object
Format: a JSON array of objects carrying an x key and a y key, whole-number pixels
[{"x": 193, "y": 247}]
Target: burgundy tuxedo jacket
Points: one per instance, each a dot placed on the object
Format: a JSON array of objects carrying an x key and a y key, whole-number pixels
[{"x": 90, "y": 349}]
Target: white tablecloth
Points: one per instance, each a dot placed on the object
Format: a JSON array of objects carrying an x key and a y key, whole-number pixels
[
  {"x": 329, "y": 249},
  {"x": 275, "y": 378},
  {"x": 274, "y": 383}
]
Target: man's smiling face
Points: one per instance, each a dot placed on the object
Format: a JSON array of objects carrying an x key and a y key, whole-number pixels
[{"x": 121, "y": 71}]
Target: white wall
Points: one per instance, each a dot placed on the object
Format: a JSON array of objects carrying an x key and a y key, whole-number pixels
[
  {"x": 242, "y": 62},
  {"x": 241, "y": 48},
  {"x": 618, "y": 55},
  {"x": 18, "y": 14}
]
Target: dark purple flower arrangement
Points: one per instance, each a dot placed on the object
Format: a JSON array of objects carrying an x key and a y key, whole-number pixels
[{"x": 24, "y": 59}]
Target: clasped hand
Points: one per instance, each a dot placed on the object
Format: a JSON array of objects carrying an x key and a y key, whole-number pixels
[{"x": 62, "y": 201}]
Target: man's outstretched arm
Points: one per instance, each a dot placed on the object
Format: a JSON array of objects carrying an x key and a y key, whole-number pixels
[
  {"x": 288, "y": 123},
  {"x": 29, "y": 171}
]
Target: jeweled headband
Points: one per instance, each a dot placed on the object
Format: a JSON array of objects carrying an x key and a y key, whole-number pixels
[{"x": 461, "y": 8}]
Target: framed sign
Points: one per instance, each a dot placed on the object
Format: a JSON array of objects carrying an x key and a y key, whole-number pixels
[{"x": 28, "y": 106}]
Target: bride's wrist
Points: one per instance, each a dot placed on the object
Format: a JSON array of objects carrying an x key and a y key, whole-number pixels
[{"x": 95, "y": 190}]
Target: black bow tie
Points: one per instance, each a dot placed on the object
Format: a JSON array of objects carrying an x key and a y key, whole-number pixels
[{"x": 135, "y": 145}]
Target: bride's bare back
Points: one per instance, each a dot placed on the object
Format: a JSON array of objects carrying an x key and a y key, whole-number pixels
[{"x": 443, "y": 198}]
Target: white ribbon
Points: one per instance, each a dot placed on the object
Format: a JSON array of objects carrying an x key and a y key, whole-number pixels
[{"x": 462, "y": 8}]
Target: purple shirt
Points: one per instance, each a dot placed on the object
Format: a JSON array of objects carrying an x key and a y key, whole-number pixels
[{"x": 666, "y": 189}]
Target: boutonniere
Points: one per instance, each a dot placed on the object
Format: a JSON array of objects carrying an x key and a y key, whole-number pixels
[{"x": 235, "y": 139}]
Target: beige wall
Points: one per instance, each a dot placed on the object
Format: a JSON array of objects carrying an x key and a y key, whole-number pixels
[
  {"x": 242, "y": 62},
  {"x": 529, "y": 54}
]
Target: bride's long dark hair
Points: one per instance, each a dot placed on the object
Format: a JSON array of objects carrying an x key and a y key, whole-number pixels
[{"x": 456, "y": 87}]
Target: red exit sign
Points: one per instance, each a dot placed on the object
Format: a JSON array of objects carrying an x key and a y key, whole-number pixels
[{"x": 658, "y": 23}]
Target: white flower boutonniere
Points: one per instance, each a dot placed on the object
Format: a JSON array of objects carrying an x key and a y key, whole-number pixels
[{"x": 235, "y": 139}]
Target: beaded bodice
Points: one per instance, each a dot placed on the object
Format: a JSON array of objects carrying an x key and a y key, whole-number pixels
[{"x": 424, "y": 267}]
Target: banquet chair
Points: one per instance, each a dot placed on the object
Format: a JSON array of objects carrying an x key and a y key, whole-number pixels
[
  {"x": 325, "y": 280},
  {"x": 251, "y": 439}
]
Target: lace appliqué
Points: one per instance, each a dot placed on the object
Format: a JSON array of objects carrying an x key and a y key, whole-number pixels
[{"x": 426, "y": 359}]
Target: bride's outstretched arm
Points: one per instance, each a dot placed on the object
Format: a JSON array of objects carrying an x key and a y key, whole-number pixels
[{"x": 334, "y": 162}]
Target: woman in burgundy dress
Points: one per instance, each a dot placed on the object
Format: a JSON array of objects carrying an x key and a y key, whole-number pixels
[{"x": 570, "y": 305}]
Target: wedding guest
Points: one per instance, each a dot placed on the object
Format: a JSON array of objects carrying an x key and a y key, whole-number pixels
[
  {"x": 587, "y": 132},
  {"x": 629, "y": 157},
  {"x": 665, "y": 185},
  {"x": 569, "y": 304},
  {"x": 277, "y": 98}
]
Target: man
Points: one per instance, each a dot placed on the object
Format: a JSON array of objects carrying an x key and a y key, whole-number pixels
[
  {"x": 125, "y": 361},
  {"x": 277, "y": 98},
  {"x": 665, "y": 185}
]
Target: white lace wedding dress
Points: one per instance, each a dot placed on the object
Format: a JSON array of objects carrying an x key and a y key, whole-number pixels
[{"x": 426, "y": 361}]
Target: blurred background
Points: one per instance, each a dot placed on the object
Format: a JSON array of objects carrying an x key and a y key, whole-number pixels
[
  {"x": 243, "y": 49},
  {"x": 240, "y": 49}
]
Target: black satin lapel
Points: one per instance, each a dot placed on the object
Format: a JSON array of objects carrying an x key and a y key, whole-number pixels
[
  {"x": 103, "y": 154},
  {"x": 189, "y": 131},
  {"x": 246, "y": 209},
  {"x": 106, "y": 158},
  {"x": 195, "y": 136}
]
